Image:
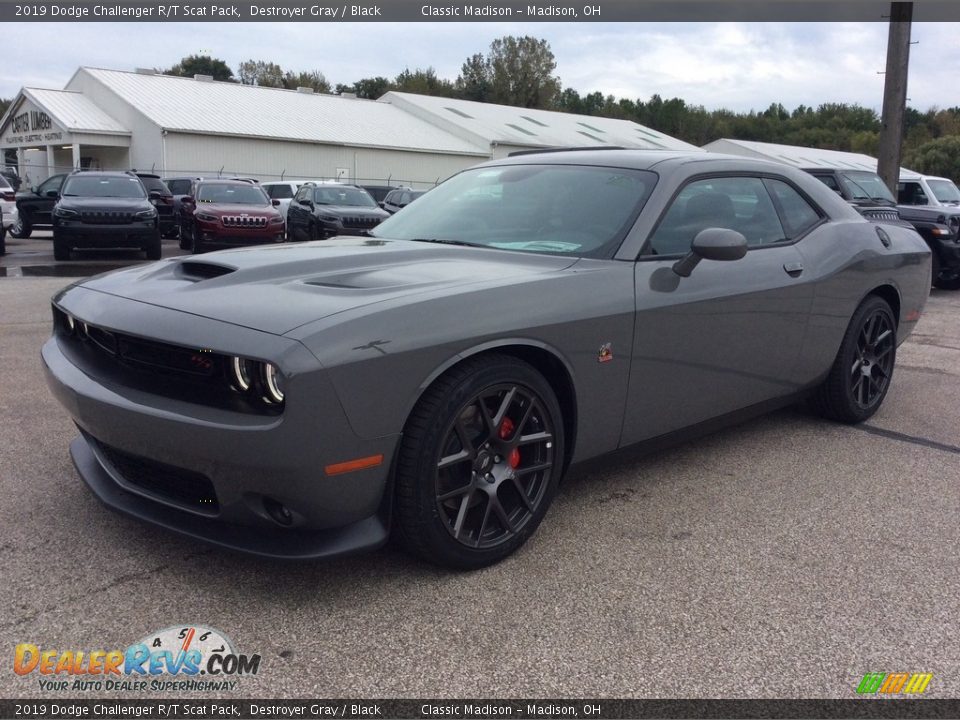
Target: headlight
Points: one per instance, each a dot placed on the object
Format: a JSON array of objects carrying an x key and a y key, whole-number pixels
[
  {"x": 273, "y": 383},
  {"x": 276, "y": 220},
  {"x": 262, "y": 380},
  {"x": 329, "y": 218},
  {"x": 65, "y": 213},
  {"x": 242, "y": 373},
  {"x": 205, "y": 217},
  {"x": 146, "y": 214}
]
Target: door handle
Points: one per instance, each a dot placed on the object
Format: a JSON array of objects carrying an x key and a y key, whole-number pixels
[{"x": 793, "y": 269}]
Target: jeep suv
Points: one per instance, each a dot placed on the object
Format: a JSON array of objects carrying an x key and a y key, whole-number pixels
[
  {"x": 104, "y": 210},
  {"x": 229, "y": 213},
  {"x": 939, "y": 227},
  {"x": 322, "y": 210},
  {"x": 162, "y": 200}
]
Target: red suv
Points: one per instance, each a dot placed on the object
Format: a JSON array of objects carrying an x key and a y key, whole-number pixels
[{"x": 228, "y": 213}]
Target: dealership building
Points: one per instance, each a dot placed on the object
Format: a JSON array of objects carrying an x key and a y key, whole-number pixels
[{"x": 110, "y": 119}]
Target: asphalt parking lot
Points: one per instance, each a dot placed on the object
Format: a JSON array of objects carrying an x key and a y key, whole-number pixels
[{"x": 782, "y": 558}]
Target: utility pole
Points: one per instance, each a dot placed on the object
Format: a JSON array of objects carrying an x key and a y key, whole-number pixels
[{"x": 895, "y": 94}]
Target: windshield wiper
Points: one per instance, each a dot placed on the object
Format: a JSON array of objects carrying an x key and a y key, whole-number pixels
[{"x": 442, "y": 241}]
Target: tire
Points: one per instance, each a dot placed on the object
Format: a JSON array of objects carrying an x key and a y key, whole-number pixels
[
  {"x": 184, "y": 241},
  {"x": 3, "y": 239},
  {"x": 61, "y": 249},
  {"x": 154, "y": 249},
  {"x": 934, "y": 268},
  {"x": 471, "y": 487},
  {"x": 22, "y": 228},
  {"x": 315, "y": 232},
  {"x": 863, "y": 369}
]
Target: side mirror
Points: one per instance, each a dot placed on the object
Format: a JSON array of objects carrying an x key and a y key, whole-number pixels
[
  {"x": 186, "y": 200},
  {"x": 53, "y": 194},
  {"x": 275, "y": 202},
  {"x": 712, "y": 244},
  {"x": 154, "y": 195}
]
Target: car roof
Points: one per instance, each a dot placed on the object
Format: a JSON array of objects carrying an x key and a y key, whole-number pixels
[
  {"x": 287, "y": 182},
  {"x": 639, "y": 159},
  {"x": 225, "y": 181}
]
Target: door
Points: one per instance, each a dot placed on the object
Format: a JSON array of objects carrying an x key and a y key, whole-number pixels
[
  {"x": 729, "y": 335},
  {"x": 40, "y": 207}
]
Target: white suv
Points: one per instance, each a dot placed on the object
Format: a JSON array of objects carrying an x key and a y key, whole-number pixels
[
  {"x": 8, "y": 211},
  {"x": 927, "y": 190}
]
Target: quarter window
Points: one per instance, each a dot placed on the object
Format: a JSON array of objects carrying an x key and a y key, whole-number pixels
[
  {"x": 279, "y": 192},
  {"x": 735, "y": 203},
  {"x": 797, "y": 214},
  {"x": 179, "y": 187}
]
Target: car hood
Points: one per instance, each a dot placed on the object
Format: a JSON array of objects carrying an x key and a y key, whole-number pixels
[
  {"x": 104, "y": 203},
  {"x": 277, "y": 288},
  {"x": 354, "y": 210}
]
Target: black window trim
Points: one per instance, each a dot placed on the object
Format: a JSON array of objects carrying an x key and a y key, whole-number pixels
[{"x": 646, "y": 256}]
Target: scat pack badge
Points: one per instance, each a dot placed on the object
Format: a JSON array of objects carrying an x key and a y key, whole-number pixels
[
  {"x": 168, "y": 660},
  {"x": 605, "y": 354}
]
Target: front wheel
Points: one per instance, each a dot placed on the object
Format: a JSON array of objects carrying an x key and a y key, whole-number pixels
[
  {"x": 480, "y": 460},
  {"x": 21, "y": 229},
  {"x": 154, "y": 249},
  {"x": 863, "y": 369},
  {"x": 61, "y": 249}
]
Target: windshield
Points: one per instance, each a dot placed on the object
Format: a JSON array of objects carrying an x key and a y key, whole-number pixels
[
  {"x": 231, "y": 194},
  {"x": 944, "y": 191},
  {"x": 558, "y": 209},
  {"x": 106, "y": 187},
  {"x": 865, "y": 185},
  {"x": 349, "y": 196}
]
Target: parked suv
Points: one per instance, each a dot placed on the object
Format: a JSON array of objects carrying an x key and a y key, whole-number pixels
[
  {"x": 928, "y": 190},
  {"x": 282, "y": 190},
  {"x": 939, "y": 227},
  {"x": 322, "y": 210},
  {"x": 8, "y": 212},
  {"x": 229, "y": 213},
  {"x": 162, "y": 200},
  {"x": 180, "y": 187},
  {"x": 104, "y": 210},
  {"x": 35, "y": 205},
  {"x": 399, "y": 199}
]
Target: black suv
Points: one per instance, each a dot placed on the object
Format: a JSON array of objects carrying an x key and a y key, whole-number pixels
[
  {"x": 322, "y": 210},
  {"x": 105, "y": 210},
  {"x": 399, "y": 199},
  {"x": 867, "y": 192},
  {"x": 162, "y": 200},
  {"x": 35, "y": 205}
]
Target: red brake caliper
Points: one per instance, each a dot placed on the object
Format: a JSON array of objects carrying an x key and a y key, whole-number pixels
[{"x": 506, "y": 430}]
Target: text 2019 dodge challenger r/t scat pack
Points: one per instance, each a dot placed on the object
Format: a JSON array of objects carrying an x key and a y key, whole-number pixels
[{"x": 436, "y": 378}]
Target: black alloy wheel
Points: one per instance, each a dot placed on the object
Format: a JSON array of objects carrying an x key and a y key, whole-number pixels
[
  {"x": 861, "y": 374},
  {"x": 481, "y": 458}
]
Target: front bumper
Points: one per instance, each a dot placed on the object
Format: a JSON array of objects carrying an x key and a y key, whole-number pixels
[
  {"x": 83, "y": 235},
  {"x": 218, "y": 235},
  {"x": 243, "y": 460},
  {"x": 948, "y": 251},
  {"x": 10, "y": 215}
]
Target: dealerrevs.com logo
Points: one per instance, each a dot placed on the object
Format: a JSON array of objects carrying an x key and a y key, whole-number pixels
[{"x": 176, "y": 659}]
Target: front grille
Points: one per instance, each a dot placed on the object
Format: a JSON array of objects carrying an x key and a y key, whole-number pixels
[
  {"x": 186, "y": 488},
  {"x": 244, "y": 221},
  {"x": 360, "y": 222},
  {"x": 106, "y": 217}
]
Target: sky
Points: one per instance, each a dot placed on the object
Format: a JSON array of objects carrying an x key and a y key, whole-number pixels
[{"x": 738, "y": 66}]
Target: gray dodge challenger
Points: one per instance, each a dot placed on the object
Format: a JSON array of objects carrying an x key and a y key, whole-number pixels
[{"x": 434, "y": 379}]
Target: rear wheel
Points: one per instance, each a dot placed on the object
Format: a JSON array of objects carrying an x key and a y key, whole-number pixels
[
  {"x": 863, "y": 369},
  {"x": 61, "y": 249},
  {"x": 3, "y": 239},
  {"x": 21, "y": 229},
  {"x": 481, "y": 457}
]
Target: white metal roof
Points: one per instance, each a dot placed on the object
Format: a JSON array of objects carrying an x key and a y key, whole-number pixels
[
  {"x": 488, "y": 124},
  {"x": 797, "y": 156},
  {"x": 228, "y": 108},
  {"x": 74, "y": 112}
]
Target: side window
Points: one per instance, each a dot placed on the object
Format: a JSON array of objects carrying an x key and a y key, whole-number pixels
[
  {"x": 404, "y": 198},
  {"x": 736, "y": 203},
  {"x": 391, "y": 197},
  {"x": 179, "y": 187},
  {"x": 911, "y": 193},
  {"x": 797, "y": 214},
  {"x": 51, "y": 183},
  {"x": 830, "y": 181},
  {"x": 303, "y": 194}
]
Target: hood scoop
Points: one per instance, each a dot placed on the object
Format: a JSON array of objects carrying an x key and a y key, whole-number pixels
[{"x": 197, "y": 270}]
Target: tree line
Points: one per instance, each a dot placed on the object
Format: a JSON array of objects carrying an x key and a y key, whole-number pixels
[{"x": 520, "y": 71}]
